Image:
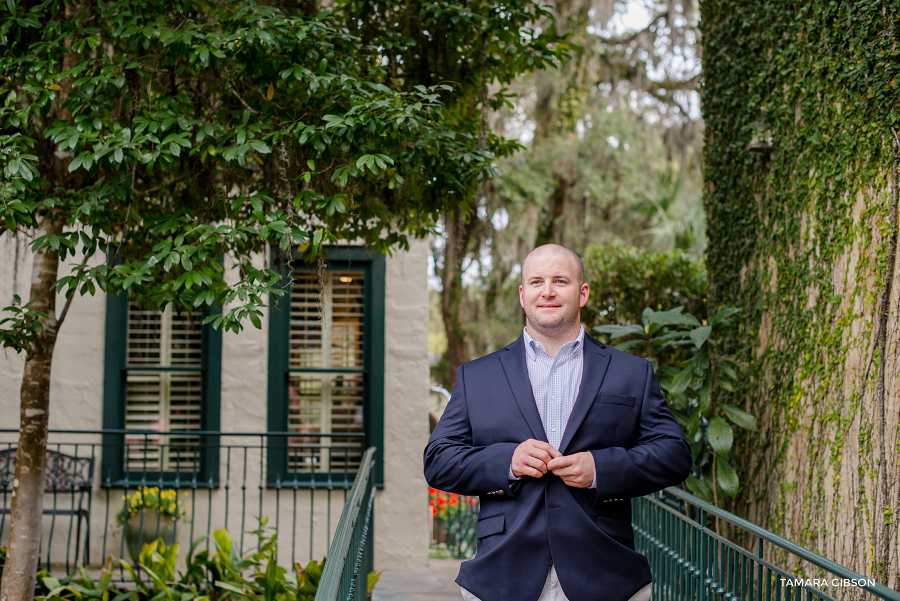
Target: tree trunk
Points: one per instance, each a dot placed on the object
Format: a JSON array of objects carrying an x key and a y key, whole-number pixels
[
  {"x": 19, "y": 573},
  {"x": 458, "y": 233}
]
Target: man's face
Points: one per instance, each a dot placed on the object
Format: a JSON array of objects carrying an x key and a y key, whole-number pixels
[{"x": 551, "y": 294}]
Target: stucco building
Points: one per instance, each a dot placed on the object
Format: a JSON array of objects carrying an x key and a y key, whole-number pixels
[{"x": 281, "y": 413}]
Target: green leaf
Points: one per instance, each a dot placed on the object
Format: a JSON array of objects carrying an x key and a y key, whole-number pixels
[
  {"x": 725, "y": 367},
  {"x": 670, "y": 317},
  {"x": 76, "y": 163},
  {"x": 739, "y": 417},
  {"x": 629, "y": 344},
  {"x": 726, "y": 477},
  {"x": 720, "y": 435},
  {"x": 701, "y": 488},
  {"x": 704, "y": 396},
  {"x": 230, "y": 587},
  {"x": 722, "y": 315},
  {"x": 725, "y": 383},
  {"x": 223, "y": 540},
  {"x": 700, "y": 335},
  {"x": 260, "y": 146},
  {"x": 681, "y": 381},
  {"x": 615, "y": 331}
]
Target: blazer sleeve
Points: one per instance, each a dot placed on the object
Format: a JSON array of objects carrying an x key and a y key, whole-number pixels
[
  {"x": 454, "y": 464},
  {"x": 661, "y": 457}
]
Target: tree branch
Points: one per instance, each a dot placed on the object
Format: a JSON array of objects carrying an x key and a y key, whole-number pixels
[
  {"x": 150, "y": 191},
  {"x": 71, "y": 295},
  {"x": 241, "y": 98},
  {"x": 630, "y": 37}
]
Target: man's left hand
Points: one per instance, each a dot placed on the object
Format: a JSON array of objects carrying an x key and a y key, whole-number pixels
[{"x": 575, "y": 470}]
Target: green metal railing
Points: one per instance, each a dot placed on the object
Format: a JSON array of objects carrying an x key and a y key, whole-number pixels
[
  {"x": 691, "y": 560},
  {"x": 682, "y": 537},
  {"x": 222, "y": 479},
  {"x": 350, "y": 558}
]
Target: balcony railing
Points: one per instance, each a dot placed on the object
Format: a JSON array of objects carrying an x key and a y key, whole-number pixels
[{"x": 298, "y": 483}]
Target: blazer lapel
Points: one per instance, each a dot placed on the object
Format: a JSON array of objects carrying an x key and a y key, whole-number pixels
[
  {"x": 596, "y": 360},
  {"x": 513, "y": 362}
]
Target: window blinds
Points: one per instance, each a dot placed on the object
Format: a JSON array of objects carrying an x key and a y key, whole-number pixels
[
  {"x": 163, "y": 389},
  {"x": 325, "y": 392}
]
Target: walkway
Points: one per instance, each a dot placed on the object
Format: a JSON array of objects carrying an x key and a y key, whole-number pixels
[{"x": 431, "y": 583}]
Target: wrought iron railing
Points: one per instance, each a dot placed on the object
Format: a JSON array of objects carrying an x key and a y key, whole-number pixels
[
  {"x": 298, "y": 483},
  {"x": 350, "y": 558},
  {"x": 690, "y": 559},
  {"x": 453, "y": 519}
]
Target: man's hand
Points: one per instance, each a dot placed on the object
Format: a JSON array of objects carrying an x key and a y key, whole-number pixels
[
  {"x": 575, "y": 470},
  {"x": 531, "y": 458}
]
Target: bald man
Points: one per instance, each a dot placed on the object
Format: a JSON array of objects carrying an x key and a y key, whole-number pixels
[{"x": 556, "y": 433}]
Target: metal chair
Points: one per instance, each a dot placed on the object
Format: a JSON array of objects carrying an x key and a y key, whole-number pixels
[{"x": 65, "y": 474}]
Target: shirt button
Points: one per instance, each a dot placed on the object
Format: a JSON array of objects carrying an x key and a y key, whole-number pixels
[
  {"x": 554, "y": 429},
  {"x": 554, "y": 398}
]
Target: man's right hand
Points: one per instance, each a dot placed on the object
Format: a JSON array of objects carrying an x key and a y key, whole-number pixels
[{"x": 531, "y": 458}]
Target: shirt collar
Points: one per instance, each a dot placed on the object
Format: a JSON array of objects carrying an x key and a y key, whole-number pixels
[{"x": 571, "y": 347}]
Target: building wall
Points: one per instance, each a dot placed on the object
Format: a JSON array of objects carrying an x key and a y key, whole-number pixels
[
  {"x": 802, "y": 169},
  {"x": 77, "y": 404}
]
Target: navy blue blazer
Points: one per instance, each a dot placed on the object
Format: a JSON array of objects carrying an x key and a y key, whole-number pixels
[{"x": 619, "y": 416}]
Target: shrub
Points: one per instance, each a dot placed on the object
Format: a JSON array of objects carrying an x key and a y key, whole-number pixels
[
  {"x": 625, "y": 280},
  {"x": 696, "y": 378},
  {"x": 220, "y": 573}
]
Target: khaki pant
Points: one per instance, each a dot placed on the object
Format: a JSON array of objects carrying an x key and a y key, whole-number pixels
[{"x": 553, "y": 592}]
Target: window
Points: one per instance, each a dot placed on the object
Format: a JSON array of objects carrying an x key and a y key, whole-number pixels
[
  {"x": 326, "y": 383},
  {"x": 162, "y": 375}
]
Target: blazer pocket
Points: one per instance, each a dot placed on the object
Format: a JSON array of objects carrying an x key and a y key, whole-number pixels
[
  {"x": 490, "y": 525},
  {"x": 617, "y": 399}
]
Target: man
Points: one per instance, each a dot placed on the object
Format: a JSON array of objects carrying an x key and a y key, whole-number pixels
[{"x": 556, "y": 433}]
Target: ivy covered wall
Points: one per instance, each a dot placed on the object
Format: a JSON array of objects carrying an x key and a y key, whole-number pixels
[{"x": 802, "y": 109}]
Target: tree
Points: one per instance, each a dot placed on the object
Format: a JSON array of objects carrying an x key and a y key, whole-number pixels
[
  {"x": 484, "y": 46},
  {"x": 166, "y": 135},
  {"x": 611, "y": 154}
]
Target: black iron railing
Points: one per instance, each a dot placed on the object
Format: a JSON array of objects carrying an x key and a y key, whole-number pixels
[{"x": 296, "y": 482}]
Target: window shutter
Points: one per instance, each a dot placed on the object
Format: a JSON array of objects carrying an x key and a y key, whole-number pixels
[
  {"x": 326, "y": 337},
  {"x": 167, "y": 394}
]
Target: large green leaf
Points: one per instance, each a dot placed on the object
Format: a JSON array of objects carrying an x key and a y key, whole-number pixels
[
  {"x": 670, "y": 317},
  {"x": 700, "y": 335},
  {"x": 701, "y": 488},
  {"x": 629, "y": 344},
  {"x": 681, "y": 381},
  {"x": 615, "y": 331},
  {"x": 739, "y": 417},
  {"x": 726, "y": 477},
  {"x": 719, "y": 435}
]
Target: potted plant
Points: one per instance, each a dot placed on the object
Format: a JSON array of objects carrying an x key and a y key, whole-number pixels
[{"x": 148, "y": 514}]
